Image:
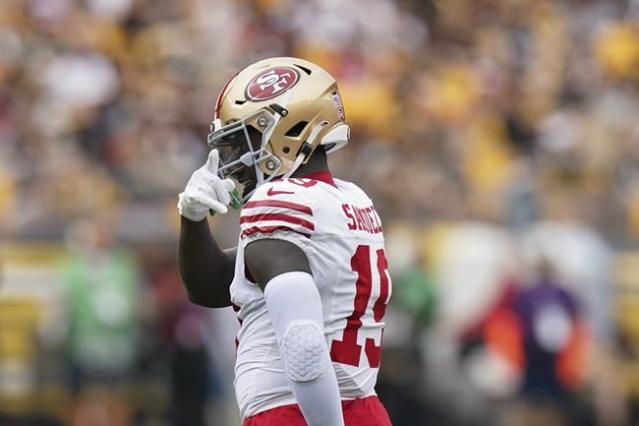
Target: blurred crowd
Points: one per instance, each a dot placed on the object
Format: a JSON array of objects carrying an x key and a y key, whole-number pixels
[{"x": 498, "y": 138}]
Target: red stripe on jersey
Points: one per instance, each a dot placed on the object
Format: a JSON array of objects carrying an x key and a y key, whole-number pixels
[
  {"x": 280, "y": 217},
  {"x": 270, "y": 229},
  {"x": 279, "y": 203}
]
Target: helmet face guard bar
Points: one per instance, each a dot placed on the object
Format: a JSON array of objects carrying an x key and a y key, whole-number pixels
[{"x": 242, "y": 148}]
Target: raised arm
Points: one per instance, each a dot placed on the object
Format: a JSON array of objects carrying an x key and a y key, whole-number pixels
[{"x": 206, "y": 269}]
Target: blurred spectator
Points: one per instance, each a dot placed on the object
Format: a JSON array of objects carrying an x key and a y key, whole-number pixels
[
  {"x": 182, "y": 331},
  {"x": 102, "y": 297},
  {"x": 553, "y": 348}
]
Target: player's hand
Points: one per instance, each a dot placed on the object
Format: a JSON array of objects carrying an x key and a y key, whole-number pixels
[{"x": 205, "y": 191}]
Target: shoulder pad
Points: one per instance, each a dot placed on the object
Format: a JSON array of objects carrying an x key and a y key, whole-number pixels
[{"x": 279, "y": 206}]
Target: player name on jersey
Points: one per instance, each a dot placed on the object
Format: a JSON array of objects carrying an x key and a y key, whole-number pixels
[{"x": 362, "y": 219}]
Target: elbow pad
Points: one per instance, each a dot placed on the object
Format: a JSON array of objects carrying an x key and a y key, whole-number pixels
[
  {"x": 295, "y": 308},
  {"x": 303, "y": 350}
]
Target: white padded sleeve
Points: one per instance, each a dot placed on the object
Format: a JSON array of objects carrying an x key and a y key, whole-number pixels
[
  {"x": 303, "y": 347},
  {"x": 295, "y": 309}
]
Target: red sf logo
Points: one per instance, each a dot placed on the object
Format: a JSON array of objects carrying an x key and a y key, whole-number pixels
[{"x": 271, "y": 83}]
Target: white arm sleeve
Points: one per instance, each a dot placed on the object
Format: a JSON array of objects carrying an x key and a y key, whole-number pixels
[{"x": 295, "y": 309}]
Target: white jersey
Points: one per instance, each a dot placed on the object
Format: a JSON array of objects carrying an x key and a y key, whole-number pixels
[{"x": 335, "y": 224}]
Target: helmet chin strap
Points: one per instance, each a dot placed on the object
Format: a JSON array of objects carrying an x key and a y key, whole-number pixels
[{"x": 303, "y": 153}]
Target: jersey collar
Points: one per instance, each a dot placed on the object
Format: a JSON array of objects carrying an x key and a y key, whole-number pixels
[{"x": 325, "y": 177}]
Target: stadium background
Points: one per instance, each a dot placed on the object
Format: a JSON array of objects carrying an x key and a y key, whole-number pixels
[{"x": 498, "y": 138}]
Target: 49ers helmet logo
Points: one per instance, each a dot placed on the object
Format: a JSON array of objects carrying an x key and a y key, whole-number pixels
[{"x": 271, "y": 83}]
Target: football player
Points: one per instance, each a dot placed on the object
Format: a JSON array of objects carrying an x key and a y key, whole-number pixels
[{"x": 308, "y": 278}]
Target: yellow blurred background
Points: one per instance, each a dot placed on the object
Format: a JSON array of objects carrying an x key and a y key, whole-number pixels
[{"x": 498, "y": 138}]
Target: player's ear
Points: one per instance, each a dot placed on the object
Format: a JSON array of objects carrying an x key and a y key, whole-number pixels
[{"x": 266, "y": 259}]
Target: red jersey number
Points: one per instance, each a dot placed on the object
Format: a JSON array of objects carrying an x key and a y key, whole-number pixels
[{"x": 347, "y": 350}]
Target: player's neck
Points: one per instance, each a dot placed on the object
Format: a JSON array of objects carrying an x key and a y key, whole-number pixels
[{"x": 316, "y": 164}]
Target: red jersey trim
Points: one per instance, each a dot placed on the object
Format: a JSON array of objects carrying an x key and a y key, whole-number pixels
[
  {"x": 325, "y": 177},
  {"x": 279, "y": 203},
  {"x": 279, "y": 217},
  {"x": 270, "y": 229}
]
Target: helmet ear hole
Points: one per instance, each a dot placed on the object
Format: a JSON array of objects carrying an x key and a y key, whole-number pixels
[
  {"x": 286, "y": 149},
  {"x": 297, "y": 129}
]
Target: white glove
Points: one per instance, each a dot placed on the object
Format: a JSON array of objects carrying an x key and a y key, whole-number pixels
[{"x": 205, "y": 190}]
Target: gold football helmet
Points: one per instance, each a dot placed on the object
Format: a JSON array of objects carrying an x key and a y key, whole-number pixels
[{"x": 271, "y": 116}]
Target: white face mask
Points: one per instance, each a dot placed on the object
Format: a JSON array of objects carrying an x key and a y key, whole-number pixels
[{"x": 242, "y": 148}]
